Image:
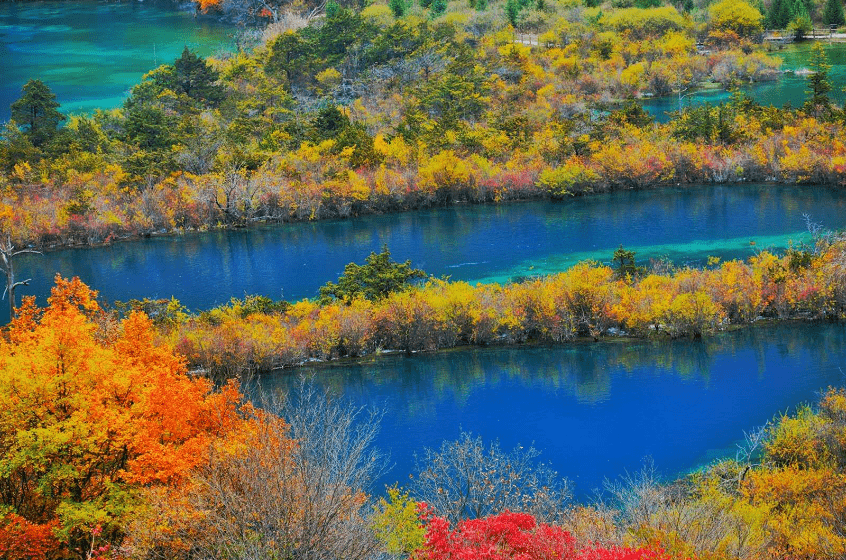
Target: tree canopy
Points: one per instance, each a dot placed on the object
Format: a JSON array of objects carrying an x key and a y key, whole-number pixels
[
  {"x": 736, "y": 16},
  {"x": 36, "y": 112},
  {"x": 818, "y": 83},
  {"x": 379, "y": 277},
  {"x": 833, "y": 13},
  {"x": 89, "y": 416}
]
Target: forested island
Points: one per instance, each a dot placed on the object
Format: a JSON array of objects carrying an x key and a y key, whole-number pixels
[{"x": 140, "y": 430}]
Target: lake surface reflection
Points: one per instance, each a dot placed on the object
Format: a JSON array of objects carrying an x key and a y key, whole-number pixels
[{"x": 596, "y": 410}]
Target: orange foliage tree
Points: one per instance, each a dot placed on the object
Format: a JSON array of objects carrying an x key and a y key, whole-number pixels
[{"x": 87, "y": 416}]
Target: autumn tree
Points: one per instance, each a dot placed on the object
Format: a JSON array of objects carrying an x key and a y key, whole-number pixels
[
  {"x": 518, "y": 536},
  {"x": 88, "y": 416},
  {"x": 737, "y": 18},
  {"x": 397, "y": 522},
  {"x": 294, "y": 487}
]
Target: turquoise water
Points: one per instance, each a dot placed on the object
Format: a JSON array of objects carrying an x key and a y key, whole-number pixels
[
  {"x": 595, "y": 410},
  {"x": 91, "y": 53},
  {"x": 789, "y": 89},
  {"x": 473, "y": 243}
]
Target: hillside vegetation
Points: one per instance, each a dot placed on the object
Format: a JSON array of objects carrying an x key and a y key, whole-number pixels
[
  {"x": 124, "y": 433},
  {"x": 110, "y": 450},
  {"x": 368, "y": 111}
]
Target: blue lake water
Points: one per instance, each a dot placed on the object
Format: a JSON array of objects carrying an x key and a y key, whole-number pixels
[
  {"x": 596, "y": 410},
  {"x": 91, "y": 52},
  {"x": 474, "y": 243}
]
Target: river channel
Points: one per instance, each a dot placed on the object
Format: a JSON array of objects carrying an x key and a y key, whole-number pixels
[{"x": 481, "y": 243}]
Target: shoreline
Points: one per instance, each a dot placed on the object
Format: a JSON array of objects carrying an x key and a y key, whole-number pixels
[
  {"x": 519, "y": 197},
  {"x": 621, "y": 339}
]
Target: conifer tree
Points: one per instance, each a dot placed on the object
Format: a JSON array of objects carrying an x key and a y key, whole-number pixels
[
  {"x": 833, "y": 13},
  {"x": 196, "y": 79},
  {"x": 512, "y": 10},
  {"x": 818, "y": 84},
  {"x": 800, "y": 21},
  {"x": 397, "y": 7},
  {"x": 36, "y": 112},
  {"x": 779, "y": 14}
]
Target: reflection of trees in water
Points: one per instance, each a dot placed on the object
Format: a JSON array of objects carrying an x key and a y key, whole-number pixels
[{"x": 582, "y": 370}]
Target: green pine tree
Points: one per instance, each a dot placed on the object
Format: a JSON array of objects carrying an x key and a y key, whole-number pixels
[
  {"x": 512, "y": 12},
  {"x": 196, "y": 79},
  {"x": 779, "y": 14},
  {"x": 625, "y": 262},
  {"x": 376, "y": 279},
  {"x": 397, "y": 7},
  {"x": 818, "y": 102},
  {"x": 800, "y": 22},
  {"x": 833, "y": 13},
  {"x": 36, "y": 112}
]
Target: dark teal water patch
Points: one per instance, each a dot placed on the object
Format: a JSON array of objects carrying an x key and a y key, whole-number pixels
[
  {"x": 596, "y": 410},
  {"x": 789, "y": 89},
  {"x": 91, "y": 53},
  {"x": 472, "y": 243}
]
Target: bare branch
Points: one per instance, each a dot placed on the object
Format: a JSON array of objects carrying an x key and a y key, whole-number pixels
[
  {"x": 296, "y": 491},
  {"x": 467, "y": 479},
  {"x": 7, "y": 254}
]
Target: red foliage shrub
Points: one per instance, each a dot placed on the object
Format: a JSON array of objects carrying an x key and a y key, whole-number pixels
[
  {"x": 22, "y": 540},
  {"x": 512, "y": 536}
]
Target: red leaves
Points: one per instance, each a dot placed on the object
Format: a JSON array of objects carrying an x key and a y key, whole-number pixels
[
  {"x": 512, "y": 536},
  {"x": 617, "y": 553},
  {"x": 22, "y": 540}
]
